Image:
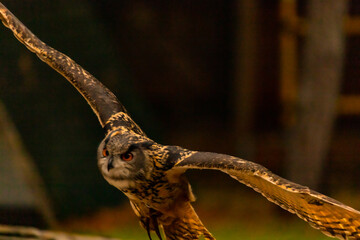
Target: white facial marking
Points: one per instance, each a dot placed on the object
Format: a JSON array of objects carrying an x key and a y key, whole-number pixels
[{"x": 120, "y": 184}]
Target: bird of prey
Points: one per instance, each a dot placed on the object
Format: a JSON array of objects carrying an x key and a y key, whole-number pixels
[{"x": 151, "y": 175}]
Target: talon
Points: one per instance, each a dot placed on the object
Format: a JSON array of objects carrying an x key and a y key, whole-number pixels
[{"x": 147, "y": 227}]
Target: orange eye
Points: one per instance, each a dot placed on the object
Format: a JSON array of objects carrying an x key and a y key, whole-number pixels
[
  {"x": 105, "y": 152},
  {"x": 127, "y": 156}
]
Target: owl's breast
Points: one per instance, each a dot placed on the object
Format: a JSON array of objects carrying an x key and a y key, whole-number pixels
[{"x": 161, "y": 192}]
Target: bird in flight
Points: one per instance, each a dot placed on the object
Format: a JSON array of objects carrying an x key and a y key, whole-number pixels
[{"x": 152, "y": 176}]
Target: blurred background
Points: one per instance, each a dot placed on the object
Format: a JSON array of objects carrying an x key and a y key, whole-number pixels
[{"x": 274, "y": 82}]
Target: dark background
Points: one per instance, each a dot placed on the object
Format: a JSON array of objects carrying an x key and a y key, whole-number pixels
[{"x": 172, "y": 64}]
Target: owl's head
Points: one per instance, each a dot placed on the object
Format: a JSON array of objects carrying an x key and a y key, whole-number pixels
[{"x": 123, "y": 159}]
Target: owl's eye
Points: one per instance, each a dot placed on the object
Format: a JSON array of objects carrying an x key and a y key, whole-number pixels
[
  {"x": 105, "y": 152},
  {"x": 128, "y": 156}
]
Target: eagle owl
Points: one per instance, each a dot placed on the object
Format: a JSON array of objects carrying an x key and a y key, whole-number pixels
[{"x": 151, "y": 175}]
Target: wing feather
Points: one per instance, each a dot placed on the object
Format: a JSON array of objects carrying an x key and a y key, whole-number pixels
[
  {"x": 332, "y": 217},
  {"x": 109, "y": 110}
]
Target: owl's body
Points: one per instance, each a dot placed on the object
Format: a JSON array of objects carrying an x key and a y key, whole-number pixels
[
  {"x": 175, "y": 215},
  {"x": 160, "y": 195},
  {"x": 152, "y": 175}
]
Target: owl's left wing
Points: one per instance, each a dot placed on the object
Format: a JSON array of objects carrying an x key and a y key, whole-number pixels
[{"x": 333, "y": 218}]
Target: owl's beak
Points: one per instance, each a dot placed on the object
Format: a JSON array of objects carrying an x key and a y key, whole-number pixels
[{"x": 110, "y": 164}]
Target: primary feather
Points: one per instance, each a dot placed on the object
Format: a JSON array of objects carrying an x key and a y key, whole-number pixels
[{"x": 321, "y": 212}]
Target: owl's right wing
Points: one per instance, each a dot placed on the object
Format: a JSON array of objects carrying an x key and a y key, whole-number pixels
[
  {"x": 110, "y": 112},
  {"x": 333, "y": 218}
]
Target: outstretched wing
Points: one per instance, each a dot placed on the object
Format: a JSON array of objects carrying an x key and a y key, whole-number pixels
[
  {"x": 110, "y": 112},
  {"x": 333, "y": 218}
]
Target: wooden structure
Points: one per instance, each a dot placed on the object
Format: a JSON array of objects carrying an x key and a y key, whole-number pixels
[{"x": 293, "y": 27}]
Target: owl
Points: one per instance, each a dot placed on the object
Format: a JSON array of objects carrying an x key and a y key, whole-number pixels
[{"x": 152, "y": 176}]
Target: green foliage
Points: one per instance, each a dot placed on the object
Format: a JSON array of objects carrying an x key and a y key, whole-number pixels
[{"x": 292, "y": 230}]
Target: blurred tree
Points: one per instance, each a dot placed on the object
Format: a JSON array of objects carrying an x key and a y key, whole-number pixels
[{"x": 320, "y": 78}]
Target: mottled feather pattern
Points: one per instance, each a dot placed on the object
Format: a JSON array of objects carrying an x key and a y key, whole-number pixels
[
  {"x": 102, "y": 101},
  {"x": 162, "y": 198},
  {"x": 122, "y": 120},
  {"x": 174, "y": 227},
  {"x": 324, "y": 213},
  {"x": 179, "y": 228},
  {"x": 153, "y": 179}
]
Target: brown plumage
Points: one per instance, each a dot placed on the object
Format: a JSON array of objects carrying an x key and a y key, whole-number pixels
[{"x": 152, "y": 175}]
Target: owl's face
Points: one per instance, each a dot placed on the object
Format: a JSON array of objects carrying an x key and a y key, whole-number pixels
[{"x": 123, "y": 159}]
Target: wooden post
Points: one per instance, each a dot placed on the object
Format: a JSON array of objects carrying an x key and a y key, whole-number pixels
[
  {"x": 244, "y": 76},
  {"x": 288, "y": 60}
]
